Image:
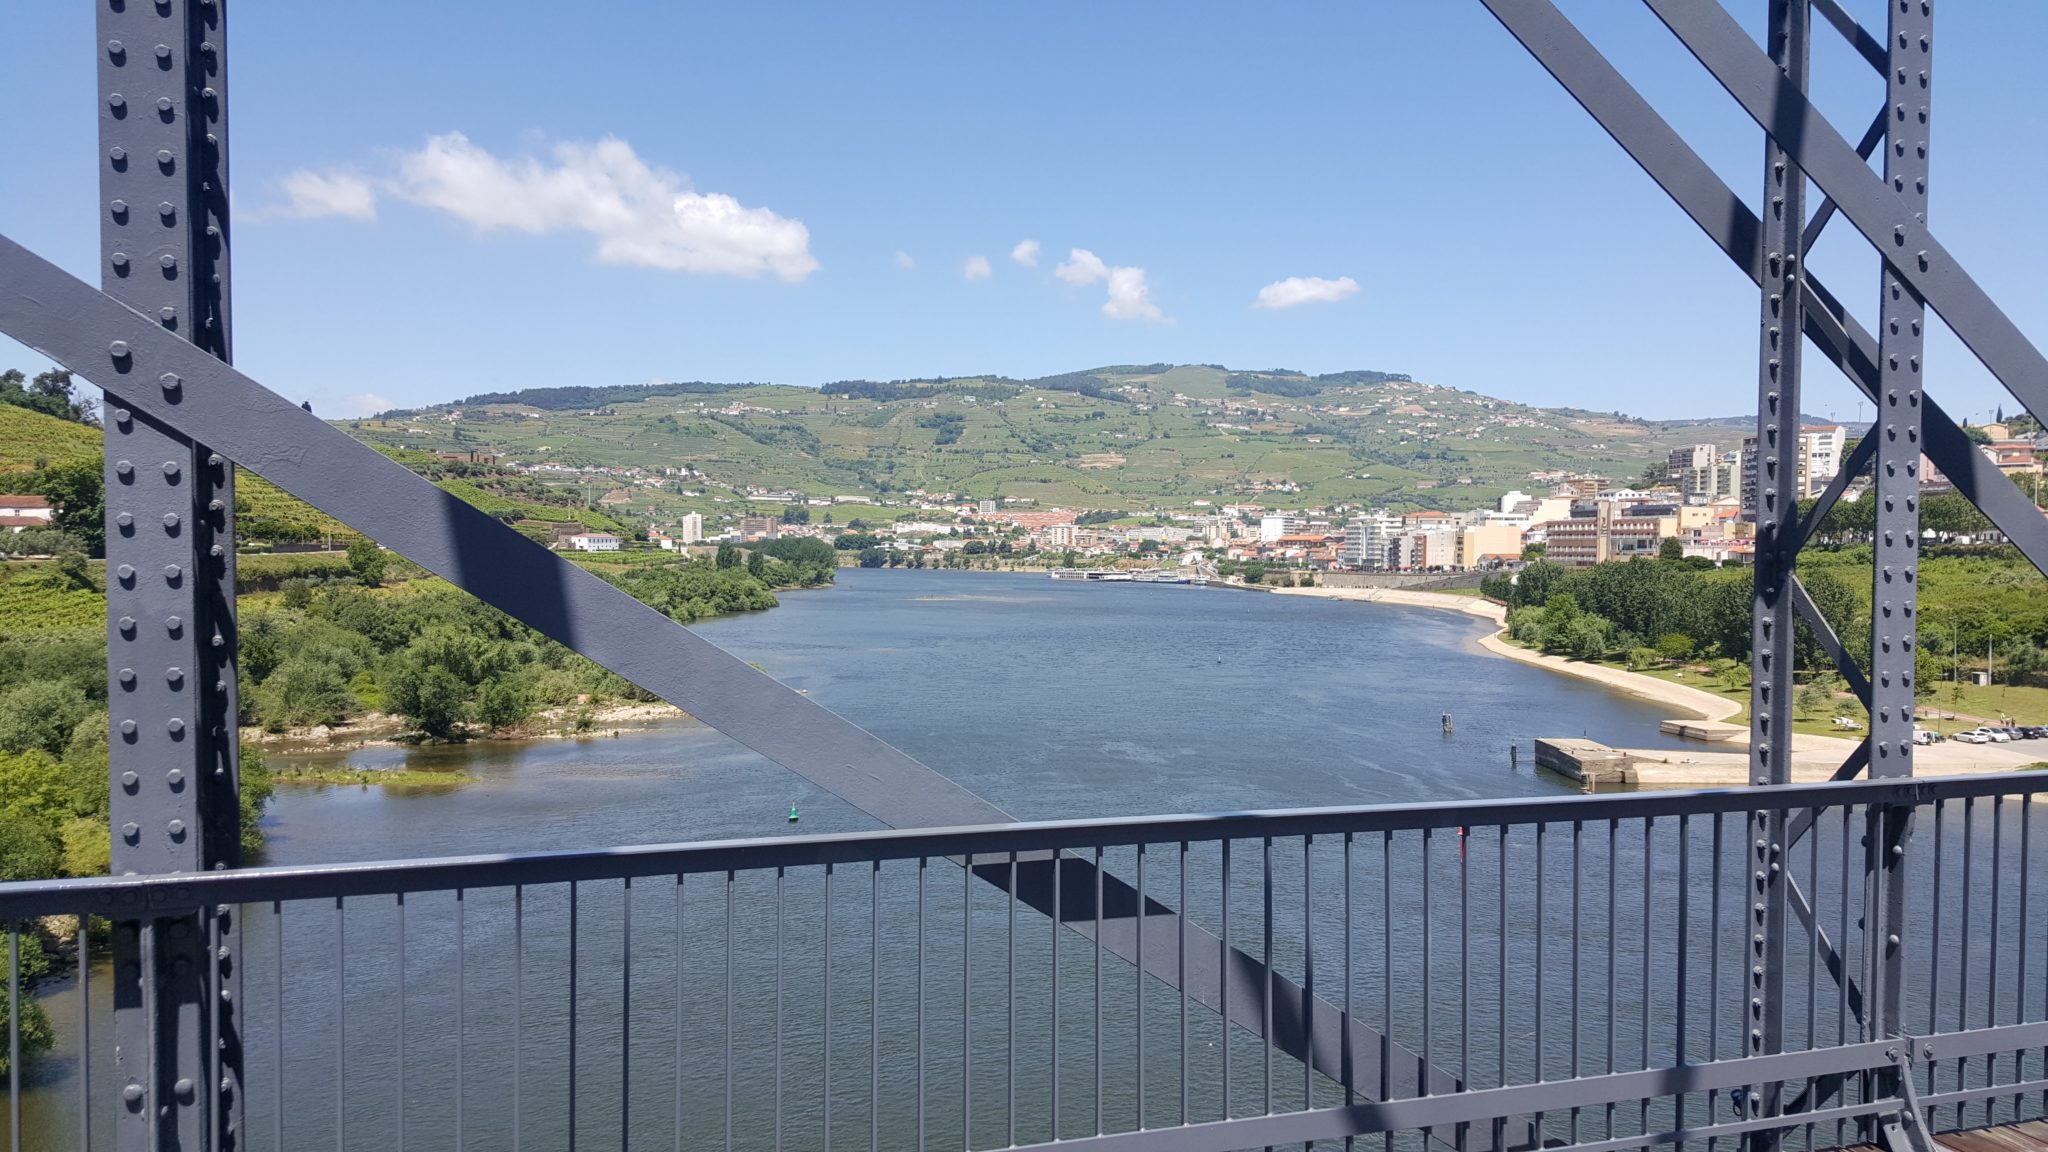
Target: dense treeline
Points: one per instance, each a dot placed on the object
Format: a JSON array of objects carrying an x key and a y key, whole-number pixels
[
  {"x": 1971, "y": 601},
  {"x": 50, "y": 393}
]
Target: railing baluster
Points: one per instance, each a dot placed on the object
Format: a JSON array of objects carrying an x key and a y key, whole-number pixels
[
  {"x": 730, "y": 993},
  {"x": 1180, "y": 982},
  {"x": 1266, "y": 977},
  {"x": 1223, "y": 966},
  {"x": 1344, "y": 1040},
  {"x": 1681, "y": 988},
  {"x": 1464, "y": 980},
  {"x": 875, "y": 998},
  {"x": 1935, "y": 954},
  {"x": 1714, "y": 978},
  {"x": 2019, "y": 983},
  {"x": 1649, "y": 825},
  {"x": 461, "y": 1016},
  {"x": 1578, "y": 852},
  {"x": 1387, "y": 973},
  {"x": 1613, "y": 949},
  {"x": 277, "y": 1029},
  {"x": 1098, "y": 990},
  {"x": 626, "y": 1014},
  {"x": 779, "y": 876},
  {"x": 572, "y": 1014},
  {"x": 1428, "y": 1061},
  {"x": 827, "y": 1078},
  {"x": 85, "y": 1032},
  {"x": 340, "y": 1022},
  {"x": 1501, "y": 1017},
  {"x": 1308, "y": 974},
  {"x": 518, "y": 1003},
  {"x": 967, "y": 1000},
  {"x": 1842, "y": 984},
  {"x": 399, "y": 1045},
  {"x": 1137, "y": 991},
  {"x": 922, "y": 861},
  {"x": 14, "y": 1034},
  {"x": 680, "y": 999},
  {"x": 1963, "y": 943},
  {"x": 1991, "y": 982},
  {"x": 1058, "y": 884},
  {"x": 1536, "y": 944},
  {"x": 1010, "y": 1021}
]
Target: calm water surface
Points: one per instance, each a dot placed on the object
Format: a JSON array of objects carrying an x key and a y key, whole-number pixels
[{"x": 1053, "y": 700}]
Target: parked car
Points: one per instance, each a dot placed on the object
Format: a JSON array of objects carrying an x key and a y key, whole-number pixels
[
  {"x": 1992, "y": 735},
  {"x": 2032, "y": 732},
  {"x": 1926, "y": 736},
  {"x": 1973, "y": 736}
]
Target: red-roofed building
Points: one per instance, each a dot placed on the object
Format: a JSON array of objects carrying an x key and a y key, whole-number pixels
[{"x": 21, "y": 513}]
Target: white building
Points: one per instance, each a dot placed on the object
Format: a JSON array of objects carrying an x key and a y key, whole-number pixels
[
  {"x": 1368, "y": 538},
  {"x": 691, "y": 529},
  {"x": 594, "y": 542},
  {"x": 1272, "y": 528},
  {"x": 19, "y": 513},
  {"x": 1819, "y": 459}
]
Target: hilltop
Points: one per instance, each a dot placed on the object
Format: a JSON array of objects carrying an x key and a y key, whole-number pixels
[{"x": 1123, "y": 436}]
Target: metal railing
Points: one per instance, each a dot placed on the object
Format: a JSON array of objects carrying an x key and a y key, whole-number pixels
[{"x": 1466, "y": 974}]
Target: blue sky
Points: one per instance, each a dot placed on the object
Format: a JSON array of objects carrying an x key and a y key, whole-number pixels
[{"x": 432, "y": 203}]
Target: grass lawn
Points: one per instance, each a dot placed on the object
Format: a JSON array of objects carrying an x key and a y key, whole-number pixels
[{"x": 2025, "y": 705}]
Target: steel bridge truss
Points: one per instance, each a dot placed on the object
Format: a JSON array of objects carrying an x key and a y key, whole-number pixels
[{"x": 155, "y": 335}]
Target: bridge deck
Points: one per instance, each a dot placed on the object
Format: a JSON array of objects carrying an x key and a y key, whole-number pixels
[{"x": 2031, "y": 1136}]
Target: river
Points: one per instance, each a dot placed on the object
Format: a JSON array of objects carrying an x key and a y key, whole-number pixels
[{"x": 1051, "y": 699}]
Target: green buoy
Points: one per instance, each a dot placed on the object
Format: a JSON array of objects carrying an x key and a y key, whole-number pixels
[{"x": 792, "y": 813}]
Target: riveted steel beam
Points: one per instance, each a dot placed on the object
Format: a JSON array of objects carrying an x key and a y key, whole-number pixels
[
  {"x": 170, "y": 576},
  {"x": 42, "y": 306},
  {"x": 1732, "y": 225}
]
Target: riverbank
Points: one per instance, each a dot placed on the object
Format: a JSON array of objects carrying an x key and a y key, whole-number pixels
[
  {"x": 382, "y": 730},
  {"x": 1814, "y": 758},
  {"x": 1691, "y": 702}
]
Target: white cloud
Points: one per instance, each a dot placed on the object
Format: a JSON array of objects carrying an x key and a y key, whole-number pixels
[
  {"x": 311, "y": 195},
  {"x": 1305, "y": 290},
  {"x": 904, "y": 261},
  {"x": 1128, "y": 292},
  {"x": 1025, "y": 253},
  {"x": 977, "y": 268},
  {"x": 639, "y": 215},
  {"x": 361, "y": 404}
]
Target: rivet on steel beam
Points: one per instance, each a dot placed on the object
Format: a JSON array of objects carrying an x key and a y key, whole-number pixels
[
  {"x": 118, "y": 155},
  {"x": 175, "y": 777},
  {"x": 121, "y": 418},
  {"x": 163, "y": 52},
  {"x": 174, "y": 625},
  {"x": 126, "y": 624},
  {"x": 130, "y": 831},
  {"x": 174, "y": 676},
  {"x": 171, "y": 469},
  {"x": 174, "y": 726},
  {"x": 170, "y": 382},
  {"x": 116, "y": 49},
  {"x": 119, "y": 260},
  {"x": 176, "y": 828},
  {"x": 130, "y": 781},
  {"x": 117, "y": 103},
  {"x": 124, "y": 519},
  {"x": 171, "y": 521},
  {"x": 133, "y": 1092},
  {"x": 118, "y": 349},
  {"x": 167, "y": 261},
  {"x": 126, "y": 676},
  {"x": 123, "y": 469}
]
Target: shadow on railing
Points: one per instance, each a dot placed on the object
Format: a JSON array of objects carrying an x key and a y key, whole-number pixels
[{"x": 1578, "y": 964}]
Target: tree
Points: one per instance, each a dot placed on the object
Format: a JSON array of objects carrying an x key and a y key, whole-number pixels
[
  {"x": 428, "y": 696},
  {"x": 796, "y": 514},
  {"x": 1253, "y": 572},
  {"x": 367, "y": 561},
  {"x": 75, "y": 491},
  {"x": 1671, "y": 548},
  {"x": 728, "y": 556},
  {"x": 757, "y": 564},
  {"x": 49, "y": 393},
  {"x": 39, "y": 716},
  {"x": 873, "y": 557}
]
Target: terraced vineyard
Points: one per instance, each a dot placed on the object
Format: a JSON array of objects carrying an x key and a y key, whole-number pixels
[{"x": 1119, "y": 437}]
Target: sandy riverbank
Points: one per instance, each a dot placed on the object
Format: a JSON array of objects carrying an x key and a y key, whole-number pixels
[
  {"x": 1722, "y": 764},
  {"x": 1690, "y": 702},
  {"x": 380, "y": 730}
]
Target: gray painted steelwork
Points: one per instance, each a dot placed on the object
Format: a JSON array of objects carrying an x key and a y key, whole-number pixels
[
  {"x": 170, "y": 569},
  {"x": 157, "y": 340}
]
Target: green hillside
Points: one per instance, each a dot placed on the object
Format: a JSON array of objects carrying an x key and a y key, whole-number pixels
[
  {"x": 31, "y": 439},
  {"x": 1125, "y": 436}
]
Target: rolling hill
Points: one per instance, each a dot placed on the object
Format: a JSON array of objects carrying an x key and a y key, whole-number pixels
[{"x": 1125, "y": 436}]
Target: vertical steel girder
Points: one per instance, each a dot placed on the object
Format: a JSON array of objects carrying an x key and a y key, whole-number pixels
[
  {"x": 1781, "y": 308},
  {"x": 1895, "y": 562},
  {"x": 1901, "y": 343},
  {"x": 170, "y": 574}
]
